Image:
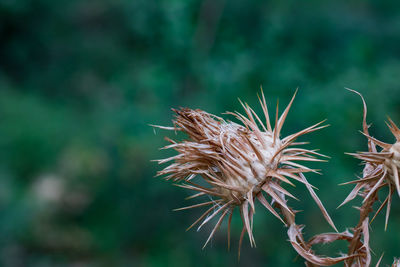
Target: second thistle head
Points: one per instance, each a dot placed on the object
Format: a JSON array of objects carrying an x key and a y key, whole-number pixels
[{"x": 382, "y": 166}]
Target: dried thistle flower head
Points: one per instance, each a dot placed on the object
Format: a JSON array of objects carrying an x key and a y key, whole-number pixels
[
  {"x": 381, "y": 168},
  {"x": 238, "y": 164}
]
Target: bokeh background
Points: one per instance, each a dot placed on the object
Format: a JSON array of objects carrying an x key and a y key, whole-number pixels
[{"x": 80, "y": 82}]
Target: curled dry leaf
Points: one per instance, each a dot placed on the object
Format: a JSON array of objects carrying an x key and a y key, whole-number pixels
[{"x": 304, "y": 249}]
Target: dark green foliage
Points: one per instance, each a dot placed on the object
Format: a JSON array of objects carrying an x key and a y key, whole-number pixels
[{"x": 81, "y": 80}]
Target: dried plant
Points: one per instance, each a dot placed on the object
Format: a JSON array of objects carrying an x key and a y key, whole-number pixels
[{"x": 239, "y": 164}]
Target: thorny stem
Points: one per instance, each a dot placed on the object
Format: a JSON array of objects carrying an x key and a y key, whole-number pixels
[{"x": 365, "y": 209}]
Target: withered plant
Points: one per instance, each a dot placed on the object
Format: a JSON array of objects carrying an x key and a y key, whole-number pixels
[{"x": 235, "y": 164}]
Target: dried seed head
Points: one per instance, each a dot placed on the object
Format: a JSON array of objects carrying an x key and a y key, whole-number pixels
[
  {"x": 239, "y": 163},
  {"x": 381, "y": 168}
]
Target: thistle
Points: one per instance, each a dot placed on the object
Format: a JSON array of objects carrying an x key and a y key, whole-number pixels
[
  {"x": 238, "y": 164},
  {"x": 381, "y": 168}
]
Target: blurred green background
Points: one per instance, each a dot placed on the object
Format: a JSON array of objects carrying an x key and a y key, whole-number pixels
[{"x": 81, "y": 80}]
